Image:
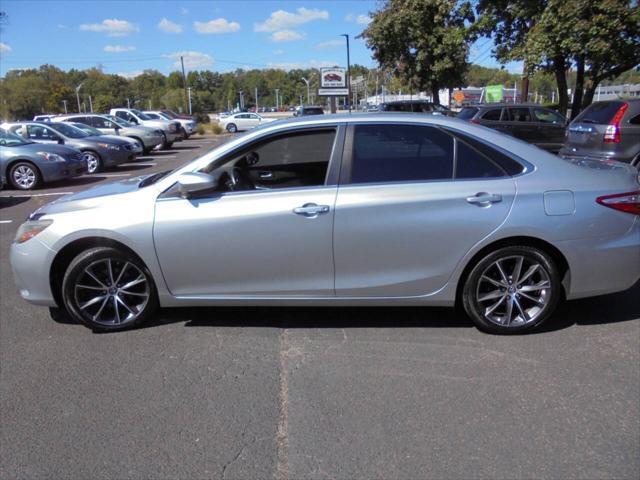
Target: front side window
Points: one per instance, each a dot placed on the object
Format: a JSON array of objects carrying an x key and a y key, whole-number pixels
[
  {"x": 8, "y": 139},
  {"x": 100, "y": 122},
  {"x": 548, "y": 116},
  {"x": 292, "y": 160},
  {"x": 519, "y": 114},
  {"x": 153, "y": 116},
  {"x": 493, "y": 115},
  {"x": 68, "y": 130},
  {"x": 401, "y": 153},
  {"x": 39, "y": 132}
]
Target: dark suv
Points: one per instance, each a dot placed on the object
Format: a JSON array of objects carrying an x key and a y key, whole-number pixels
[
  {"x": 418, "y": 106},
  {"x": 532, "y": 123},
  {"x": 305, "y": 110},
  {"x": 606, "y": 131}
]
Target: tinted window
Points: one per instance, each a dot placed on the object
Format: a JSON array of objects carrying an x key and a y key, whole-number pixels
[
  {"x": 492, "y": 114},
  {"x": 470, "y": 163},
  {"x": 77, "y": 119},
  {"x": 38, "y": 132},
  {"x": 397, "y": 153},
  {"x": 548, "y": 116},
  {"x": 153, "y": 116},
  {"x": 600, "y": 112},
  {"x": 635, "y": 120},
  {"x": 506, "y": 163},
  {"x": 519, "y": 114},
  {"x": 99, "y": 122},
  {"x": 468, "y": 113}
]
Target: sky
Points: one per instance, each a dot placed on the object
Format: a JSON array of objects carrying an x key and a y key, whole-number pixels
[{"x": 127, "y": 37}]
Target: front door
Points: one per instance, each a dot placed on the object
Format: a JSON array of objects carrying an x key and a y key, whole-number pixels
[
  {"x": 403, "y": 222},
  {"x": 266, "y": 231}
]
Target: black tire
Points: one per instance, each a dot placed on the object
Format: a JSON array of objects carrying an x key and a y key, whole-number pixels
[
  {"x": 147, "y": 150},
  {"x": 94, "y": 161},
  {"x": 80, "y": 288},
  {"x": 231, "y": 128},
  {"x": 532, "y": 299},
  {"x": 185, "y": 135},
  {"x": 24, "y": 176},
  {"x": 164, "y": 144},
  {"x": 168, "y": 145}
]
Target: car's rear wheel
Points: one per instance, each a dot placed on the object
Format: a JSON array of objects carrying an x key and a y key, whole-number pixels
[
  {"x": 164, "y": 145},
  {"x": 231, "y": 128},
  {"x": 94, "y": 162},
  {"x": 108, "y": 289},
  {"x": 25, "y": 176},
  {"x": 511, "y": 290}
]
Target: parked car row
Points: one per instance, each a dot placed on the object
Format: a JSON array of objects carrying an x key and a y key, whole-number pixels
[{"x": 608, "y": 130}]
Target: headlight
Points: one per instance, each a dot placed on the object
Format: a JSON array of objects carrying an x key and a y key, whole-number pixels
[
  {"x": 30, "y": 229},
  {"x": 109, "y": 146},
  {"x": 51, "y": 157}
]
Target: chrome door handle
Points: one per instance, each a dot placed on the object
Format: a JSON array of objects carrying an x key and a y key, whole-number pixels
[
  {"x": 484, "y": 199},
  {"x": 311, "y": 210}
]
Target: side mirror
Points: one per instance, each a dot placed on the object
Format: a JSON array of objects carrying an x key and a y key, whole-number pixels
[
  {"x": 117, "y": 128},
  {"x": 60, "y": 141},
  {"x": 192, "y": 182}
]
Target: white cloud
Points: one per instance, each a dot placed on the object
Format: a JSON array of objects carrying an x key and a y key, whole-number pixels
[
  {"x": 322, "y": 63},
  {"x": 61, "y": 26},
  {"x": 112, "y": 27},
  {"x": 167, "y": 26},
  {"x": 282, "y": 20},
  {"x": 192, "y": 60},
  {"x": 298, "y": 65},
  {"x": 4, "y": 48},
  {"x": 286, "y": 36},
  {"x": 184, "y": 11},
  {"x": 361, "y": 19},
  {"x": 331, "y": 44},
  {"x": 131, "y": 75},
  {"x": 219, "y": 25},
  {"x": 118, "y": 48},
  {"x": 278, "y": 52}
]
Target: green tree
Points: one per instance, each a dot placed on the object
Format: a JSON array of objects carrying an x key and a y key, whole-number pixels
[{"x": 424, "y": 40}]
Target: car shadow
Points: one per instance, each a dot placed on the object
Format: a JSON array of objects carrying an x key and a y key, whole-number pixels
[
  {"x": 185, "y": 147},
  {"x": 130, "y": 168},
  {"x": 603, "y": 310},
  {"x": 6, "y": 202}
]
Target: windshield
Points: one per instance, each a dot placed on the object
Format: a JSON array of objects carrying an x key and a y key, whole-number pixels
[
  {"x": 68, "y": 130},
  {"x": 120, "y": 122},
  {"x": 169, "y": 113},
  {"x": 150, "y": 180},
  {"x": 164, "y": 115},
  {"x": 8, "y": 139},
  {"x": 467, "y": 113},
  {"x": 599, "y": 112},
  {"x": 86, "y": 128},
  {"x": 140, "y": 115}
]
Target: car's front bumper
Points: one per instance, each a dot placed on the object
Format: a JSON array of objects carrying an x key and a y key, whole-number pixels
[
  {"x": 111, "y": 158},
  {"x": 54, "y": 171},
  {"x": 31, "y": 263}
]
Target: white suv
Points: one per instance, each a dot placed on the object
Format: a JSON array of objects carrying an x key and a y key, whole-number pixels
[{"x": 171, "y": 131}]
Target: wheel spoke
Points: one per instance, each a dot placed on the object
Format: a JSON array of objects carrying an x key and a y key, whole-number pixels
[
  {"x": 132, "y": 283},
  {"x": 502, "y": 274},
  {"x": 116, "y": 309},
  {"x": 110, "y": 271},
  {"x": 491, "y": 295},
  {"x": 530, "y": 271},
  {"x": 534, "y": 288},
  {"x": 104, "y": 303},
  {"x": 122, "y": 272},
  {"x": 89, "y": 287},
  {"x": 93, "y": 301},
  {"x": 533, "y": 299},
  {"x": 123, "y": 303},
  {"x": 493, "y": 307},
  {"x": 494, "y": 282},
  {"x": 517, "y": 269},
  {"x": 88, "y": 272},
  {"x": 509, "y": 312},
  {"x": 525, "y": 316},
  {"x": 126, "y": 292}
]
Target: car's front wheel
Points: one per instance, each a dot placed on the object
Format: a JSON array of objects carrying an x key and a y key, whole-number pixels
[
  {"x": 108, "y": 289},
  {"x": 24, "y": 176},
  {"x": 512, "y": 289},
  {"x": 231, "y": 128},
  {"x": 94, "y": 163}
]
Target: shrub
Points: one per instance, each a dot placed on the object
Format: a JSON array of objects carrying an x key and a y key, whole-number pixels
[
  {"x": 216, "y": 129},
  {"x": 200, "y": 129},
  {"x": 201, "y": 117}
]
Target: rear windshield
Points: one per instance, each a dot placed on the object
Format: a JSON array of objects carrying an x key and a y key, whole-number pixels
[
  {"x": 467, "y": 113},
  {"x": 313, "y": 111},
  {"x": 600, "y": 112}
]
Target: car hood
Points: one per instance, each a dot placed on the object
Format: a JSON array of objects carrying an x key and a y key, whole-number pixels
[
  {"x": 48, "y": 147},
  {"x": 110, "y": 139}
]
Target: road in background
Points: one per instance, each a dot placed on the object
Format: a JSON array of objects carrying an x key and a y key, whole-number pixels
[{"x": 311, "y": 392}]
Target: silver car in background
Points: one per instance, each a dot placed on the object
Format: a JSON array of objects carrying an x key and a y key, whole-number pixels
[
  {"x": 373, "y": 209},
  {"x": 188, "y": 126},
  {"x": 171, "y": 131},
  {"x": 148, "y": 137},
  {"x": 98, "y": 152},
  {"x": 134, "y": 145}
]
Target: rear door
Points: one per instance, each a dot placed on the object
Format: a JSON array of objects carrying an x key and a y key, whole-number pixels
[
  {"x": 551, "y": 128},
  {"x": 403, "y": 218},
  {"x": 522, "y": 125},
  {"x": 494, "y": 118}
]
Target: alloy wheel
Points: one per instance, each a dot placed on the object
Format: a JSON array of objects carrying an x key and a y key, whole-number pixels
[
  {"x": 93, "y": 162},
  {"x": 112, "y": 292},
  {"x": 24, "y": 177},
  {"x": 513, "y": 291}
]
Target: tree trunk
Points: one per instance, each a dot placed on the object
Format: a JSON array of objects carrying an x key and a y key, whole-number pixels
[
  {"x": 589, "y": 93},
  {"x": 576, "y": 106},
  {"x": 561, "y": 80},
  {"x": 435, "y": 88}
]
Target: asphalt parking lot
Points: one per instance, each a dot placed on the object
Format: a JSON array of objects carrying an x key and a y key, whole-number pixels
[{"x": 312, "y": 392}]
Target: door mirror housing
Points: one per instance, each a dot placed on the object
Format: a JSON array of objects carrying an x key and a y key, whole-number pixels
[
  {"x": 60, "y": 141},
  {"x": 193, "y": 182}
]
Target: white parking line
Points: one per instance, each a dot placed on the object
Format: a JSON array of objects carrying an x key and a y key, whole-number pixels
[
  {"x": 111, "y": 175},
  {"x": 156, "y": 157},
  {"x": 138, "y": 164},
  {"x": 36, "y": 195},
  {"x": 6, "y": 221}
]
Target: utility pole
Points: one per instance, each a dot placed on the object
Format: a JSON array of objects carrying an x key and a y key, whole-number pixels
[
  {"x": 256, "y": 93},
  {"x": 184, "y": 83},
  {"x": 241, "y": 99},
  {"x": 277, "y": 90},
  {"x": 189, "y": 91},
  {"x": 78, "y": 96},
  {"x": 90, "y": 104},
  {"x": 149, "y": 101},
  {"x": 346, "y": 35},
  {"x": 65, "y": 105},
  {"x": 128, "y": 103},
  {"x": 308, "y": 90}
]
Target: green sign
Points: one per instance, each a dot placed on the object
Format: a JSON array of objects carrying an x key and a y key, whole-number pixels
[{"x": 493, "y": 93}]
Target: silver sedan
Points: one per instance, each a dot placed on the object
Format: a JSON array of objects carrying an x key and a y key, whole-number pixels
[{"x": 373, "y": 209}]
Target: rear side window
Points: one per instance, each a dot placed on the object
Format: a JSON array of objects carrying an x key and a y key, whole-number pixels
[
  {"x": 468, "y": 113},
  {"x": 470, "y": 163},
  {"x": 503, "y": 161},
  {"x": 77, "y": 120},
  {"x": 492, "y": 114},
  {"x": 599, "y": 112},
  {"x": 401, "y": 153},
  {"x": 548, "y": 116},
  {"x": 519, "y": 114}
]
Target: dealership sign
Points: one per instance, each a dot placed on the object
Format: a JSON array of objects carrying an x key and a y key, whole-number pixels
[{"x": 333, "y": 81}]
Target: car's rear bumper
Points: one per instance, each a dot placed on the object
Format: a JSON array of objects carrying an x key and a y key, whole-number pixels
[
  {"x": 602, "y": 157},
  {"x": 603, "y": 265}
]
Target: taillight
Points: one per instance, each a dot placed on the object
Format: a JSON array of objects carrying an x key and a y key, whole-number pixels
[
  {"x": 624, "y": 202},
  {"x": 476, "y": 121},
  {"x": 612, "y": 133}
]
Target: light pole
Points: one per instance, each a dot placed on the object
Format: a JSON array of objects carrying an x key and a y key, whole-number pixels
[
  {"x": 346, "y": 35},
  {"x": 308, "y": 91},
  {"x": 189, "y": 91},
  {"x": 277, "y": 90},
  {"x": 65, "y": 106},
  {"x": 241, "y": 100},
  {"x": 78, "y": 96}
]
